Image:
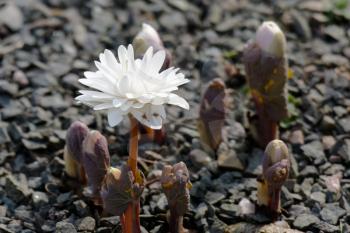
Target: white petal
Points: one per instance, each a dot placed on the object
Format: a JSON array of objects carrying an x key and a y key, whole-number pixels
[
  {"x": 125, "y": 107},
  {"x": 103, "y": 106},
  {"x": 137, "y": 105},
  {"x": 101, "y": 85},
  {"x": 111, "y": 60},
  {"x": 157, "y": 61},
  {"x": 122, "y": 55},
  {"x": 177, "y": 100},
  {"x": 159, "y": 109},
  {"x": 131, "y": 57},
  {"x": 114, "y": 117},
  {"x": 97, "y": 94},
  {"x": 124, "y": 85}
]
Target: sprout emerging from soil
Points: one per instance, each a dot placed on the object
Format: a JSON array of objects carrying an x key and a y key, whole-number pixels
[
  {"x": 96, "y": 161},
  {"x": 73, "y": 152},
  {"x": 266, "y": 67},
  {"x": 276, "y": 165},
  {"x": 212, "y": 114},
  {"x": 176, "y": 184}
]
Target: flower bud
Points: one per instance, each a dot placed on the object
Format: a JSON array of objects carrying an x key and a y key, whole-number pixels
[
  {"x": 276, "y": 166},
  {"x": 96, "y": 160},
  {"x": 212, "y": 114},
  {"x": 74, "y": 139},
  {"x": 176, "y": 184},
  {"x": 73, "y": 150},
  {"x": 271, "y": 39},
  {"x": 119, "y": 189},
  {"x": 266, "y": 68},
  {"x": 149, "y": 37}
]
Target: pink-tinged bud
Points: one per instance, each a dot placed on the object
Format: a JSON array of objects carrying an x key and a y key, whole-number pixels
[
  {"x": 276, "y": 166},
  {"x": 266, "y": 69},
  {"x": 74, "y": 139},
  {"x": 271, "y": 39},
  {"x": 120, "y": 188},
  {"x": 96, "y": 160},
  {"x": 212, "y": 114},
  {"x": 149, "y": 37},
  {"x": 176, "y": 184},
  {"x": 73, "y": 150}
]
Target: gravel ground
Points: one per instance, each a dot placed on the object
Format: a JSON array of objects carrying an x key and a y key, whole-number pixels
[{"x": 45, "y": 47}]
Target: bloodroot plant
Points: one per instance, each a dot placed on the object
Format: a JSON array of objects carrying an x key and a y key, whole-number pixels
[
  {"x": 176, "y": 184},
  {"x": 276, "y": 165},
  {"x": 137, "y": 89},
  {"x": 266, "y": 68},
  {"x": 212, "y": 114}
]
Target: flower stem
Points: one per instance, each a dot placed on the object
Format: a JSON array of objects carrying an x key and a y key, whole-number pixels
[
  {"x": 131, "y": 215},
  {"x": 267, "y": 128},
  {"x": 175, "y": 222}
]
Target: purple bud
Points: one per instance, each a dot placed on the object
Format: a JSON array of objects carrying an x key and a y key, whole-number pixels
[
  {"x": 96, "y": 160},
  {"x": 276, "y": 166},
  {"x": 120, "y": 188},
  {"x": 176, "y": 183},
  {"x": 212, "y": 114},
  {"x": 74, "y": 139}
]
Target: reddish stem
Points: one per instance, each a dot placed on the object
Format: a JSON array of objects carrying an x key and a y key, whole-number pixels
[
  {"x": 131, "y": 215},
  {"x": 175, "y": 222}
]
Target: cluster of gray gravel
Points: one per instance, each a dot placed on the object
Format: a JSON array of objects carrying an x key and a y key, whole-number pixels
[{"x": 45, "y": 47}]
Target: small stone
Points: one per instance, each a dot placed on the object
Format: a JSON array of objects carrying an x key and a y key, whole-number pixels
[
  {"x": 199, "y": 158},
  {"x": 87, "y": 224},
  {"x": 246, "y": 207},
  {"x": 296, "y": 137},
  {"x": 331, "y": 213},
  {"x": 326, "y": 227},
  {"x": 11, "y": 16},
  {"x": 214, "y": 197},
  {"x": 327, "y": 123},
  {"x": 309, "y": 171},
  {"x": 255, "y": 162},
  {"x": 39, "y": 199},
  {"x": 305, "y": 220},
  {"x": 334, "y": 60},
  {"x": 3, "y": 211},
  {"x": 17, "y": 190},
  {"x": 65, "y": 227},
  {"x": 33, "y": 145},
  {"x": 313, "y": 150},
  {"x": 4, "y": 136},
  {"x": 228, "y": 159},
  {"x": 344, "y": 150},
  {"x": 229, "y": 209},
  {"x": 319, "y": 197},
  {"x": 335, "y": 32},
  {"x": 20, "y": 78},
  {"x": 328, "y": 142},
  {"x": 81, "y": 207},
  {"x": 300, "y": 25},
  {"x": 344, "y": 123},
  {"x": 201, "y": 210}
]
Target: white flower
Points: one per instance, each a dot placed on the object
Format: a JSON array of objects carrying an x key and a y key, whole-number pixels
[{"x": 134, "y": 86}]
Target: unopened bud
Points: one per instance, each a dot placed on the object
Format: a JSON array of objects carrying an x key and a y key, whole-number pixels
[
  {"x": 212, "y": 114},
  {"x": 74, "y": 139},
  {"x": 271, "y": 39},
  {"x": 176, "y": 184},
  {"x": 276, "y": 163},
  {"x": 73, "y": 150},
  {"x": 96, "y": 160},
  {"x": 149, "y": 37}
]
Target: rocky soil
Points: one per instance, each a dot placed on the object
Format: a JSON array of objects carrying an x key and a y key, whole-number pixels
[{"x": 46, "y": 45}]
